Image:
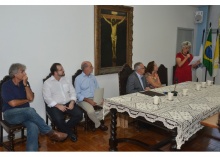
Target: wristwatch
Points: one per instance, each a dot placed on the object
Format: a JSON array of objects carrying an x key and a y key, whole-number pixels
[{"x": 27, "y": 85}]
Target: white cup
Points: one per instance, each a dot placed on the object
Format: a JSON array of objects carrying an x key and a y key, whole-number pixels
[
  {"x": 203, "y": 84},
  {"x": 170, "y": 96},
  {"x": 185, "y": 92},
  {"x": 198, "y": 86},
  {"x": 209, "y": 82},
  {"x": 156, "y": 100}
]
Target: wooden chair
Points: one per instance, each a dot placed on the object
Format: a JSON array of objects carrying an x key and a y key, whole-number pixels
[
  {"x": 162, "y": 72},
  {"x": 9, "y": 128},
  {"x": 123, "y": 75},
  {"x": 174, "y": 70},
  {"x": 48, "y": 117},
  {"x": 88, "y": 125}
]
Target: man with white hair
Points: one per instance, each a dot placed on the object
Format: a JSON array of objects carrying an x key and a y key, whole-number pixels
[
  {"x": 85, "y": 85},
  {"x": 136, "y": 81}
]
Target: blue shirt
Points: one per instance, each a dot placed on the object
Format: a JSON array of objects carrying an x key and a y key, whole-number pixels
[
  {"x": 10, "y": 91},
  {"x": 85, "y": 86}
]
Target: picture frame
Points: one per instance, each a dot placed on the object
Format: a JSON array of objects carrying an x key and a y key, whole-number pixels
[{"x": 113, "y": 38}]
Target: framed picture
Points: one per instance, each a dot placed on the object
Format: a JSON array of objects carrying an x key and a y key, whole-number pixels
[{"x": 113, "y": 38}]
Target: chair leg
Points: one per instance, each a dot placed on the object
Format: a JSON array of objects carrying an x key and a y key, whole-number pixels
[
  {"x": 22, "y": 133},
  {"x": 86, "y": 121},
  {"x": 1, "y": 136},
  {"x": 47, "y": 119},
  {"x": 11, "y": 137}
]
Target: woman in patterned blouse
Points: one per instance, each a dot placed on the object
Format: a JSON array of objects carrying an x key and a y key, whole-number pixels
[{"x": 152, "y": 76}]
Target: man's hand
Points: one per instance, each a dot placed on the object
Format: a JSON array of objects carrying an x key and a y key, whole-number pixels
[
  {"x": 71, "y": 105},
  {"x": 147, "y": 88},
  {"x": 90, "y": 101},
  {"x": 25, "y": 79},
  {"x": 61, "y": 107}
]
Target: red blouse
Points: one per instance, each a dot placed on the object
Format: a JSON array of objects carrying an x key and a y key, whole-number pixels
[{"x": 183, "y": 73}]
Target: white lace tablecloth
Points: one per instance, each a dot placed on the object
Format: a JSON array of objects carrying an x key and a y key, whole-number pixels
[{"x": 183, "y": 113}]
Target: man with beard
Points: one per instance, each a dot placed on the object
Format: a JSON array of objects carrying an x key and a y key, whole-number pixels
[
  {"x": 60, "y": 97},
  {"x": 17, "y": 95}
]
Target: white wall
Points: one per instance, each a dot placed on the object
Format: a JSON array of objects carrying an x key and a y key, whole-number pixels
[
  {"x": 38, "y": 36},
  {"x": 155, "y": 33}
]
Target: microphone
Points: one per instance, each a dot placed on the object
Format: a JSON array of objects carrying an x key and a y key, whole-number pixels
[
  {"x": 174, "y": 91},
  {"x": 189, "y": 57}
]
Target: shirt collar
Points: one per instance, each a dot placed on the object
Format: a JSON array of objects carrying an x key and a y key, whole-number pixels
[
  {"x": 52, "y": 78},
  {"x": 84, "y": 75},
  {"x": 140, "y": 76}
]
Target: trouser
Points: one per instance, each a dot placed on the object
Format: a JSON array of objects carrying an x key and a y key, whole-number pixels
[
  {"x": 31, "y": 120},
  {"x": 91, "y": 113},
  {"x": 57, "y": 115}
]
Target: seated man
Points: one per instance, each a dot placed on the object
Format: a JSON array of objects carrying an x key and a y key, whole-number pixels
[
  {"x": 85, "y": 85},
  {"x": 136, "y": 81},
  {"x": 60, "y": 97},
  {"x": 16, "y": 94}
]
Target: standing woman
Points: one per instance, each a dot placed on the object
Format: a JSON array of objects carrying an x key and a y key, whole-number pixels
[{"x": 183, "y": 71}]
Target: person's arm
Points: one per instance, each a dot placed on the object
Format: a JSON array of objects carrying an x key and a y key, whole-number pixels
[
  {"x": 18, "y": 102},
  {"x": 179, "y": 62},
  {"x": 72, "y": 92},
  {"x": 151, "y": 81},
  {"x": 77, "y": 84},
  {"x": 196, "y": 64},
  {"x": 47, "y": 95},
  {"x": 158, "y": 80},
  {"x": 9, "y": 97},
  {"x": 106, "y": 19},
  {"x": 29, "y": 93},
  {"x": 130, "y": 87},
  {"x": 121, "y": 21}
]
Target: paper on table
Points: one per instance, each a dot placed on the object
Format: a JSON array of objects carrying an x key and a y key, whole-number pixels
[
  {"x": 98, "y": 95},
  {"x": 194, "y": 60}
]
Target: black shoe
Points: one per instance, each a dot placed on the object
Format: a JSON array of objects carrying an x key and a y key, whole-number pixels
[
  {"x": 73, "y": 138},
  {"x": 103, "y": 127},
  {"x": 102, "y": 122}
]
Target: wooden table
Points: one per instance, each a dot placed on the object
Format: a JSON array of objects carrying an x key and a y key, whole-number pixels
[{"x": 181, "y": 117}]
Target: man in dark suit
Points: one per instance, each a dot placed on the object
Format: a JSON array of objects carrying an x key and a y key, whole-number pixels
[{"x": 136, "y": 81}]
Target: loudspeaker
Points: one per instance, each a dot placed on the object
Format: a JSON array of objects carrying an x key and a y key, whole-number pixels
[{"x": 198, "y": 16}]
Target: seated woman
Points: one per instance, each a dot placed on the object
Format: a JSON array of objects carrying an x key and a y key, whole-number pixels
[{"x": 152, "y": 76}]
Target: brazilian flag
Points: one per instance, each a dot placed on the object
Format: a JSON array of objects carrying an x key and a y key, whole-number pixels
[{"x": 207, "y": 53}]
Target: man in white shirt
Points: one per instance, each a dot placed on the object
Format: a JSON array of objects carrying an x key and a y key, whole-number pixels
[{"x": 60, "y": 97}]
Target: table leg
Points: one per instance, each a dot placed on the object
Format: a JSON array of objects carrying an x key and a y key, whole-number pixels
[
  {"x": 173, "y": 146},
  {"x": 113, "y": 141}
]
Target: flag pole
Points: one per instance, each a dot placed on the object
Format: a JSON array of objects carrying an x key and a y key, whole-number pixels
[
  {"x": 203, "y": 35},
  {"x": 201, "y": 55},
  {"x": 213, "y": 57}
]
